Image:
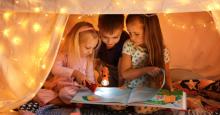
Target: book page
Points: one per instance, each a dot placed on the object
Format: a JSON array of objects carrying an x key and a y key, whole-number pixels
[
  {"x": 141, "y": 94},
  {"x": 102, "y": 95},
  {"x": 152, "y": 85}
]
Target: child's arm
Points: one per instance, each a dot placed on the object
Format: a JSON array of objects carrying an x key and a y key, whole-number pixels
[
  {"x": 59, "y": 69},
  {"x": 90, "y": 71},
  {"x": 129, "y": 74},
  {"x": 167, "y": 69},
  {"x": 168, "y": 77}
]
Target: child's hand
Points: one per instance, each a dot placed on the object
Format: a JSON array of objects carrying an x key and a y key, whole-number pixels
[
  {"x": 79, "y": 77},
  {"x": 153, "y": 71}
]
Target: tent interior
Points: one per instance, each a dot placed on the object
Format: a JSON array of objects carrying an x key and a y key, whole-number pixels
[{"x": 30, "y": 39}]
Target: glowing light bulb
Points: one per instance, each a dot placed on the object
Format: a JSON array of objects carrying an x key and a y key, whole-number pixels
[
  {"x": 6, "y": 32},
  {"x": 43, "y": 66},
  {"x": 23, "y": 24},
  {"x": 43, "y": 47},
  {"x": 204, "y": 25},
  {"x": 16, "y": 1},
  {"x": 36, "y": 27},
  {"x": 37, "y": 9},
  {"x": 46, "y": 15},
  {"x": 16, "y": 40},
  {"x": 134, "y": 2},
  {"x": 79, "y": 17},
  {"x": 167, "y": 11},
  {"x": 183, "y": 26},
  {"x": 63, "y": 10},
  {"x": 105, "y": 82},
  {"x": 117, "y": 3},
  {"x": 7, "y": 15}
]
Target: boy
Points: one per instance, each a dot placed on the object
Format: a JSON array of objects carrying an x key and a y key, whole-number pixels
[{"x": 113, "y": 37}]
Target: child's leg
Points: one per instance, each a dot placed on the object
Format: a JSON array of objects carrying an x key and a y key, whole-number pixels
[{"x": 67, "y": 93}]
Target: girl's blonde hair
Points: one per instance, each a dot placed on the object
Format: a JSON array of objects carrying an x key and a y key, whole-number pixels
[
  {"x": 70, "y": 47},
  {"x": 153, "y": 38}
]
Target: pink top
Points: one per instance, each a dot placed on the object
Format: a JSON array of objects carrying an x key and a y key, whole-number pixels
[{"x": 60, "y": 67}]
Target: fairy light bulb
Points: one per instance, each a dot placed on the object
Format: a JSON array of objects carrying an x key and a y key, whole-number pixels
[
  {"x": 17, "y": 2},
  {"x": 36, "y": 27},
  {"x": 183, "y": 26},
  {"x": 16, "y": 40},
  {"x": 37, "y": 9},
  {"x": 43, "y": 66},
  {"x": 7, "y": 15},
  {"x": 117, "y": 3},
  {"x": 63, "y": 10},
  {"x": 23, "y": 24},
  {"x": 43, "y": 47},
  {"x": 80, "y": 17},
  {"x": 6, "y": 32}
]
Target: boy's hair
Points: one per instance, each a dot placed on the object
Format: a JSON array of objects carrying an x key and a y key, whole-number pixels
[
  {"x": 110, "y": 22},
  {"x": 153, "y": 38}
]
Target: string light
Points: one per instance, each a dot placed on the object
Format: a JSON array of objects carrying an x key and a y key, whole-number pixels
[
  {"x": 79, "y": 17},
  {"x": 23, "y": 23},
  {"x": 183, "y": 26},
  {"x": 37, "y": 9},
  {"x": 134, "y": 2},
  {"x": 16, "y": 40},
  {"x": 6, "y": 32},
  {"x": 16, "y": 1},
  {"x": 36, "y": 27},
  {"x": 46, "y": 15},
  {"x": 43, "y": 47},
  {"x": 31, "y": 82},
  {"x": 63, "y": 10},
  {"x": 117, "y": 3},
  {"x": 168, "y": 11},
  {"x": 7, "y": 15},
  {"x": 43, "y": 66}
]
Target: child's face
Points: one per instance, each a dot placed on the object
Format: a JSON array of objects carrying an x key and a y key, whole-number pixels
[
  {"x": 136, "y": 32},
  {"x": 87, "y": 44},
  {"x": 110, "y": 39}
]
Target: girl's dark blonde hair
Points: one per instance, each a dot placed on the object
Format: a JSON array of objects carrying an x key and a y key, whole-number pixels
[
  {"x": 153, "y": 38},
  {"x": 72, "y": 41}
]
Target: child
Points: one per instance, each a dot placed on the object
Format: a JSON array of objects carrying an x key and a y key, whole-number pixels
[
  {"x": 143, "y": 53},
  {"x": 74, "y": 64},
  {"x": 113, "y": 37}
]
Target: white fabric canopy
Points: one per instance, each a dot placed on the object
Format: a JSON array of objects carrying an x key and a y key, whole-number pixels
[
  {"x": 109, "y": 6},
  {"x": 31, "y": 31}
]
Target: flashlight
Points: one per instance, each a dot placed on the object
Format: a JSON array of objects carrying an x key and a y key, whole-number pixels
[{"x": 105, "y": 75}]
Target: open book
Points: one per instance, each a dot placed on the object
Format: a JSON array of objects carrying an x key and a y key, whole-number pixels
[
  {"x": 149, "y": 94},
  {"x": 141, "y": 96}
]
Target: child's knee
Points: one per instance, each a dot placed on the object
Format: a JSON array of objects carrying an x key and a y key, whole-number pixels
[{"x": 66, "y": 94}]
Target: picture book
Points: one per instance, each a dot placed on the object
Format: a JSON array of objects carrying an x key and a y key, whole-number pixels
[{"x": 140, "y": 96}]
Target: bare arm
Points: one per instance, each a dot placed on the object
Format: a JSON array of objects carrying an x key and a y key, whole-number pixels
[
  {"x": 168, "y": 77},
  {"x": 128, "y": 73}
]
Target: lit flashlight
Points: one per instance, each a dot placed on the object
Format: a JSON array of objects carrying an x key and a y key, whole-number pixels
[{"x": 105, "y": 74}]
